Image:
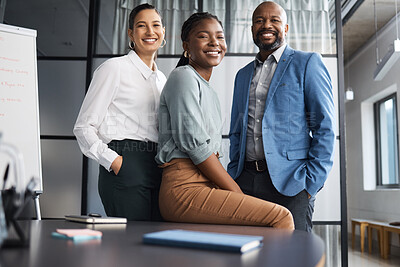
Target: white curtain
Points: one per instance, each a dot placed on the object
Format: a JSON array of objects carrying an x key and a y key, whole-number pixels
[
  {"x": 174, "y": 13},
  {"x": 309, "y": 25},
  {"x": 120, "y": 27},
  {"x": 240, "y": 38},
  {"x": 216, "y": 7}
]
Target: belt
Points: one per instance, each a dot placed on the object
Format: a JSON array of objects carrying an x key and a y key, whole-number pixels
[
  {"x": 257, "y": 165},
  {"x": 129, "y": 145}
]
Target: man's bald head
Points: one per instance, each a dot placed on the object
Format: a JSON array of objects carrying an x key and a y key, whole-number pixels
[{"x": 269, "y": 4}]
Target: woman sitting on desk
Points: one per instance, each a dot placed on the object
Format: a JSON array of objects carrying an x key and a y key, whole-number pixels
[
  {"x": 117, "y": 124},
  {"x": 195, "y": 187}
]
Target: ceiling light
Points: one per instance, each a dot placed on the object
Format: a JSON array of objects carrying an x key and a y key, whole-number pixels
[
  {"x": 349, "y": 94},
  {"x": 388, "y": 61}
]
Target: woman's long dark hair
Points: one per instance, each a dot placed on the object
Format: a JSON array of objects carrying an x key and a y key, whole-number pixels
[{"x": 188, "y": 26}]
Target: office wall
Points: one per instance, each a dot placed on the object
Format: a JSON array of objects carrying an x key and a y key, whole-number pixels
[{"x": 364, "y": 202}]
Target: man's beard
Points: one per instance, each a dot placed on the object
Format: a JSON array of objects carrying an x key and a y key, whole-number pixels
[{"x": 267, "y": 47}]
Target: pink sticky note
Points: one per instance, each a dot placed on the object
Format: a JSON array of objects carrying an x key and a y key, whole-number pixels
[{"x": 76, "y": 232}]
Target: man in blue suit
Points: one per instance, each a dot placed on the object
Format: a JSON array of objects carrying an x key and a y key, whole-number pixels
[{"x": 282, "y": 124}]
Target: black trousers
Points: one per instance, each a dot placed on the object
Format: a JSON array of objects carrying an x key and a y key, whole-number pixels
[
  {"x": 259, "y": 184},
  {"x": 133, "y": 193}
]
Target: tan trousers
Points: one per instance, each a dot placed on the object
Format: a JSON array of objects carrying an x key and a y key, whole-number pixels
[{"x": 186, "y": 195}]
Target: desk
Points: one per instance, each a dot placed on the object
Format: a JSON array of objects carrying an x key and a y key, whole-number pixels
[{"x": 121, "y": 245}]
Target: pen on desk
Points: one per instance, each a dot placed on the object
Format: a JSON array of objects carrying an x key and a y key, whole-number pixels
[{"x": 5, "y": 176}]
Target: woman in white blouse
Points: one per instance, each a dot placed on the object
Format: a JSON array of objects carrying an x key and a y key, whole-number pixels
[{"x": 117, "y": 123}]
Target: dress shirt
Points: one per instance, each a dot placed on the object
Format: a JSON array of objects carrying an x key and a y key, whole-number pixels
[
  {"x": 190, "y": 118},
  {"x": 121, "y": 103},
  {"x": 263, "y": 73}
]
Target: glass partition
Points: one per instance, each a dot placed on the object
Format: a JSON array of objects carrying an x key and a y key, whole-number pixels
[
  {"x": 62, "y": 178},
  {"x": 62, "y": 26},
  {"x": 61, "y": 92}
]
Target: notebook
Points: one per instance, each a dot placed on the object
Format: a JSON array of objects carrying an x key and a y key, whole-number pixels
[
  {"x": 204, "y": 240},
  {"x": 91, "y": 219}
]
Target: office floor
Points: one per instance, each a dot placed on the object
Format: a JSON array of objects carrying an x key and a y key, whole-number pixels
[
  {"x": 358, "y": 259},
  {"x": 331, "y": 236}
]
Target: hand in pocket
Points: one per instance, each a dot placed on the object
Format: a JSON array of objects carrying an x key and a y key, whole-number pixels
[{"x": 116, "y": 165}]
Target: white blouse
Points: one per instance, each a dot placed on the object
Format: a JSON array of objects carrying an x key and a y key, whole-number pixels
[{"x": 121, "y": 103}]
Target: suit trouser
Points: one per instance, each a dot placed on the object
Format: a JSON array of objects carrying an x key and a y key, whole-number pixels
[
  {"x": 186, "y": 195},
  {"x": 310, "y": 212},
  {"x": 259, "y": 184},
  {"x": 133, "y": 193}
]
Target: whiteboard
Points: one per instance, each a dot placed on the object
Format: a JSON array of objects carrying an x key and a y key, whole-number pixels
[{"x": 19, "y": 104}]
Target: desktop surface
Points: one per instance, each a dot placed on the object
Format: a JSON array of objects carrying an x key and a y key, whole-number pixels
[{"x": 121, "y": 245}]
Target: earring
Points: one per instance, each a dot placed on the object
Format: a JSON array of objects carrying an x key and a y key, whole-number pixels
[
  {"x": 162, "y": 45},
  {"x": 131, "y": 45},
  {"x": 186, "y": 54}
]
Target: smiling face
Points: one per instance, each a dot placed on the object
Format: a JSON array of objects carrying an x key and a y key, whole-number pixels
[
  {"x": 147, "y": 32},
  {"x": 269, "y": 26},
  {"x": 206, "y": 45}
]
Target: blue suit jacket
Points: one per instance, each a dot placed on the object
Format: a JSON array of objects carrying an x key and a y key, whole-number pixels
[{"x": 298, "y": 123}]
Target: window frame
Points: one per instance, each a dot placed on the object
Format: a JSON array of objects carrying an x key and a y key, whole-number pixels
[{"x": 377, "y": 124}]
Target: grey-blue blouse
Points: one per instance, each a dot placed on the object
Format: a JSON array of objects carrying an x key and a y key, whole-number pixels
[{"x": 190, "y": 123}]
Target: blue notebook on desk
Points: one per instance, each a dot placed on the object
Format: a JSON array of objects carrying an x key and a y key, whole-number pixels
[{"x": 204, "y": 240}]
